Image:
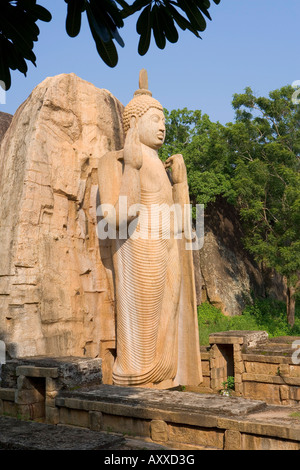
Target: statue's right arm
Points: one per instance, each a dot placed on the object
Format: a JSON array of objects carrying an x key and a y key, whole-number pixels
[{"x": 116, "y": 179}]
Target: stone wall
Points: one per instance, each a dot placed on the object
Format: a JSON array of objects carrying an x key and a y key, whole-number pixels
[
  {"x": 263, "y": 369},
  {"x": 69, "y": 392},
  {"x": 175, "y": 420}
]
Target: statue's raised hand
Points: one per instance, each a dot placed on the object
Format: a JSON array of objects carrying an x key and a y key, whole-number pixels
[
  {"x": 132, "y": 148},
  {"x": 177, "y": 165}
]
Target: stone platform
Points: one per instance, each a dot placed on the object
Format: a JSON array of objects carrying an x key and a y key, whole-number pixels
[
  {"x": 64, "y": 393},
  {"x": 183, "y": 420}
]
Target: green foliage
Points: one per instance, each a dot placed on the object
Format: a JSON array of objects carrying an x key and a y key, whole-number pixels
[
  {"x": 203, "y": 146},
  {"x": 162, "y": 17},
  {"x": 270, "y": 316},
  {"x": 18, "y": 28},
  {"x": 254, "y": 163},
  {"x": 210, "y": 320},
  {"x": 229, "y": 383},
  {"x": 266, "y": 180},
  {"x": 264, "y": 314}
]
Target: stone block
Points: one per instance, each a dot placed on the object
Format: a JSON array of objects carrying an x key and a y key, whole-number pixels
[
  {"x": 7, "y": 394},
  {"x": 23, "y": 397},
  {"x": 52, "y": 415},
  {"x": 263, "y": 378},
  {"x": 23, "y": 383},
  {"x": 237, "y": 352},
  {"x": 238, "y": 379},
  {"x": 50, "y": 401},
  {"x": 31, "y": 410},
  {"x": 74, "y": 417},
  {"x": 232, "y": 440},
  {"x": 52, "y": 385},
  {"x": 292, "y": 380},
  {"x": 262, "y": 391},
  {"x": 96, "y": 420},
  {"x": 126, "y": 425},
  {"x": 239, "y": 367},
  {"x": 217, "y": 373},
  {"x": 159, "y": 431},
  {"x": 215, "y": 338},
  {"x": 295, "y": 393},
  {"x": 205, "y": 367},
  {"x": 294, "y": 371},
  {"x": 196, "y": 436},
  {"x": 206, "y": 382},
  {"x": 32, "y": 371},
  {"x": 238, "y": 388},
  {"x": 262, "y": 368},
  {"x": 284, "y": 369},
  {"x": 250, "y": 442},
  {"x": 284, "y": 391},
  {"x": 10, "y": 408}
]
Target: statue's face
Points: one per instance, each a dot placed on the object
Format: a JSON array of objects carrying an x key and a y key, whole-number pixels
[{"x": 152, "y": 129}]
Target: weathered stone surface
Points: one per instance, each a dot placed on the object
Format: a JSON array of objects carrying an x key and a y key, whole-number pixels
[
  {"x": 250, "y": 442},
  {"x": 232, "y": 440},
  {"x": 5, "y": 120},
  {"x": 212, "y": 438},
  {"x": 60, "y": 372},
  {"x": 159, "y": 430},
  {"x": 53, "y": 281},
  {"x": 19, "y": 435},
  {"x": 229, "y": 274},
  {"x": 247, "y": 338},
  {"x": 7, "y": 394},
  {"x": 165, "y": 400}
]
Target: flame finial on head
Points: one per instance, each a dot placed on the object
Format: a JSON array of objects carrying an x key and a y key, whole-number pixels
[{"x": 143, "y": 84}]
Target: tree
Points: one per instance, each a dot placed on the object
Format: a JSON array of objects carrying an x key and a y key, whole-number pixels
[
  {"x": 266, "y": 142},
  {"x": 204, "y": 147},
  {"x": 254, "y": 164},
  {"x": 19, "y": 30}
]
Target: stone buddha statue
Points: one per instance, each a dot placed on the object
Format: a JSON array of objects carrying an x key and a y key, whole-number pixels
[{"x": 157, "y": 342}]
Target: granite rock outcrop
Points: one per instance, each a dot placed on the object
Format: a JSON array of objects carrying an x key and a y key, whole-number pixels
[{"x": 53, "y": 277}]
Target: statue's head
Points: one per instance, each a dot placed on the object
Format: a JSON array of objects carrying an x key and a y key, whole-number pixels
[{"x": 148, "y": 113}]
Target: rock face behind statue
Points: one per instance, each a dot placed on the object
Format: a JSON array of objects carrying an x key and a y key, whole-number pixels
[
  {"x": 53, "y": 283},
  {"x": 5, "y": 120}
]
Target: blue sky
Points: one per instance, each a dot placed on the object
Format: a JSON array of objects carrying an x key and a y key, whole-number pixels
[{"x": 252, "y": 43}]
